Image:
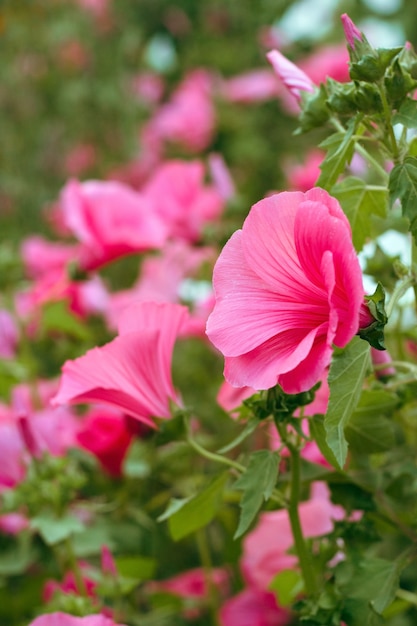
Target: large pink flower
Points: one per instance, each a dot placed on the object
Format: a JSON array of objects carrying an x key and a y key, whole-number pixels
[
  {"x": 288, "y": 286},
  {"x": 63, "y": 619},
  {"x": 110, "y": 220},
  {"x": 132, "y": 372}
]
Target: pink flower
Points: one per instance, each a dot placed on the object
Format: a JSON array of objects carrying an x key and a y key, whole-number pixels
[
  {"x": 13, "y": 523},
  {"x": 288, "y": 286},
  {"x": 132, "y": 372},
  {"x": 293, "y": 78},
  {"x": 327, "y": 62},
  {"x": 79, "y": 159},
  {"x": 382, "y": 357},
  {"x": 221, "y": 176},
  {"x": 103, "y": 432},
  {"x": 303, "y": 176},
  {"x": 181, "y": 199},
  {"x": 352, "y": 32},
  {"x": 265, "y": 549},
  {"x": 193, "y": 583},
  {"x": 253, "y": 607},
  {"x": 253, "y": 86},
  {"x": 110, "y": 220},
  {"x": 42, "y": 257},
  {"x": 230, "y": 398},
  {"x": 188, "y": 118},
  {"x": 63, "y": 619}
]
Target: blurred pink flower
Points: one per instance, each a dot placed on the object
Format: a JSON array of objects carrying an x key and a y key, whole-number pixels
[
  {"x": 109, "y": 220},
  {"x": 303, "y": 176},
  {"x": 330, "y": 61},
  {"x": 188, "y": 118},
  {"x": 253, "y": 607},
  {"x": 181, "y": 199},
  {"x": 193, "y": 583},
  {"x": 288, "y": 286},
  {"x": 254, "y": 86},
  {"x": 63, "y": 619},
  {"x": 132, "y": 372},
  {"x": 147, "y": 87},
  {"x": 265, "y": 549},
  {"x": 221, "y": 176},
  {"x": 42, "y": 257},
  {"x": 293, "y": 78},
  {"x": 13, "y": 523},
  {"x": 104, "y": 433},
  {"x": 382, "y": 357},
  {"x": 9, "y": 335},
  {"x": 79, "y": 159}
]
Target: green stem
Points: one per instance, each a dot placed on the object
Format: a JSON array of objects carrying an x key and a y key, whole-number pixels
[
  {"x": 304, "y": 556},
  {"x": 408, "y": 596},
  {"x": 399, "y": 291},
  {"x": 205, "y": 558},
  {"x": 388, "y": 124}
]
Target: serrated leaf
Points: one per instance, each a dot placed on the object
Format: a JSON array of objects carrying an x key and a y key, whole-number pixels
[
  {"x": 55, "y": 529},
  {"x": 359, "y": 203},
  {"x": 407, "y": 114},
  {"x": 340, "y": 152},
  {"x": 346, "y": 376},
  {"x": 188, "y": 515},
  {"x": 368, "y": 430},
  {"x": 257, "y": 484},
  {"x": 318, "y": 433},
  {"x": 403, "y": 185}
]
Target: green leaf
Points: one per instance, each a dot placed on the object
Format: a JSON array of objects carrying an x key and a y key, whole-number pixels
[
  {"x": 136, "y": 567},
  {"x": 407, "y": 114},
  {"x": 188, "y": 515},
  {"x": 403, "y": 185},
  {"x": 257, "y": 484},
  {"x": 57, "y": 317},
  {"x": 287, "y": 585},
  {"x": 340, "y": 147},
  {"x": 359, "y": 203},
  {"x": 55, "y": 529},
  {"x": 318, "y": 433},
  {"x": 368, "y": 430},
  {"x": 346, "y": 376}
]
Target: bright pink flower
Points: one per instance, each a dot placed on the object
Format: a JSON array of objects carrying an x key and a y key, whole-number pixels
[
  {"x": 42, "y": 257},
  {"x": 293, "y": 78},
  {"x": 70, "y": 584},
  {"x": 288, "y": 286},
  {"x": 253, "y": 607},
  {"x": 188, "y": 118},
  {"x": 265, "y": 549},
  {"x": 9, "y": 335},
  {"x": 193, "y": 583},
  {"x": 103, "y": 432},
  {"x": 181, "y": 199},
  {"x": 352, "y": 32},
  {"x": 63, "y": 619},
  {"x": 108, "y": 564},
  {"x": 132, "y": 372},
  {"x": 110, "y": 220}
]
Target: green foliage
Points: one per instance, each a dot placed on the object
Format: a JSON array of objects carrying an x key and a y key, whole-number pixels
[
  {"x": 403, "y": 186},
  {"x": 257, "y": 484}
]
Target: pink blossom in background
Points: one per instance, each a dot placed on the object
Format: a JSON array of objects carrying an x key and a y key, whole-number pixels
[
  {"x": 160, "y": 277},
  {"x": 382, "y": 357},
  {"x": 147, "y": 87},
  {"x": 182, "y": 200},
  {"x": 69, "y": 584},
  {"x": 303, "y": 176},
  {"x": 253, "y": 607},
  {"x": 330, "y": 61},
  {"x": 42, "y": 257},
  {"x": 288, "y": 286},
  {"x": 221, "y": 176},
  {"x": 295, "y": 80},
  {"x": 104, "y": 433},
  {"x": 193, "y": 583},
  {"x": 254, "y": 86},
  {"x": 63, "y": 619},
  {"x": 13, "y": 523},
  {"x": 12, "y": 468},
  {"x": 9, "y": 335},
  {"x": 110, "y": 221},
  {"x": 230, "y": 398},
  {"x": 132, "y": 372},
  {"x": 188, "y": 118},
  {"x": 265, "y": 549}
]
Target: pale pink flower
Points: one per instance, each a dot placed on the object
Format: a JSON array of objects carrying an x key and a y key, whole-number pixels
[
  {"x": 352, "y": 32},
  {"x": 110, "y": 221},
  {"x": 63, "y": 619},
  {"x": 253, "y": 607},
  {"x": 293, "y": 78},
  {"x": 265, "y": 549},
  {"x": 188, "y": 118},
  {"x": 132, "y": 372},
  {"x": 288, "y": 286},
  {"x": 254, "y": 86},
  {"x": 9, "y": 335},
  {"x": 182, "y": 200}
]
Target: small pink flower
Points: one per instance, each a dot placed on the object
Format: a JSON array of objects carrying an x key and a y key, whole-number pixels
[
  {"x": 253, "y": 607},
  {"x": 9, "y": 335},
  {"x": 288, "y": 286},
  {"x": 221, "y": 176},
  {"x": 182, "y": 200},
  {"x": 352, "y": 32},
  {"x": 108, "y": 564},
  {"x": 253, "y": 86},
  {"x": 382, "y": 357},
  {"x": 132, "y": 372},
  {"x": 193, "y": 583},
  {"x": 293, "y": 78},
  {"x": 13, "y": 523},
  {"x": 110, "y": 220}
]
